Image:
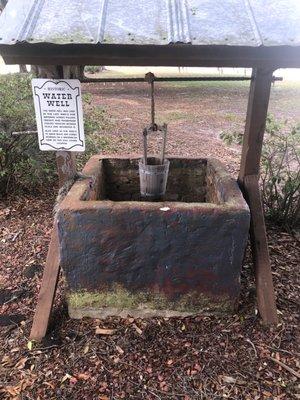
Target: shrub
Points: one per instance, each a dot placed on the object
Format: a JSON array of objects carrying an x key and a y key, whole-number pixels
[
  {"x": 21, "y": 162},
  {"x": 280, "y": 173},
  {"x": 232, "y": 137},
  {"x": 93, "y": 69},
  {"x": 22, "y": 165},
  {"x": 280, "y": 170}
]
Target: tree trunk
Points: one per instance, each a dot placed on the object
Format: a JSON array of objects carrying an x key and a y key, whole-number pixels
[
  {"x": 23, "y": 69},
  {"x": 58, "y": 71}
]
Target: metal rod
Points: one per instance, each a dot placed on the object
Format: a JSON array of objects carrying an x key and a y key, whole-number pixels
[
  {"x": 175, "y": 79},
  {"x": 152, "y": 104},
  {"x": 164, "y": 130},
  {"x": 24, "y": 133},
  {"x": 145, "y": 145}
]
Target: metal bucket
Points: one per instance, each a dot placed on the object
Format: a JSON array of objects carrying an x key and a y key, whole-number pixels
[{"x": 153, "y": 178}]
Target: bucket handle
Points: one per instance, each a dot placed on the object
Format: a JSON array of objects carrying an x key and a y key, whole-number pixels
[{"x": 151, "y": 129}]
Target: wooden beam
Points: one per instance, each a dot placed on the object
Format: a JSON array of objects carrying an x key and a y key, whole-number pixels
[
  {"x": 255, "y": 121},
  {"x": 248, "y": 178},
  {"x": 263, "y": 276},
  {"x": 152, "y": 55},
  {"x": 48, "y": 288}
]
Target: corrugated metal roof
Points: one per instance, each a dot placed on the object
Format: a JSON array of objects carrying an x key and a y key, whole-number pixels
[{"x": 158, "y": 22}]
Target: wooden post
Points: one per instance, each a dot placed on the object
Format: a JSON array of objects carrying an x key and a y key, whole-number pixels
[
  {"x": 259, "y": 245},
  {"x": 249, "y": 181},
  {"x": 66, "y": 168},
  {"x": 65, "y": 160},
  {"x": 258, "y": 102}
]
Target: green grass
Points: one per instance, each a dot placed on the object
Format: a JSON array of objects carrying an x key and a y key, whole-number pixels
[
  {"x": 231, "y": 117},
  {"x": 175, "y": 115}
]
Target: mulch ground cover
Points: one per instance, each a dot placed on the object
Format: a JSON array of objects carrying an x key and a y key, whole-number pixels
[{"x": 204, "y": 357}]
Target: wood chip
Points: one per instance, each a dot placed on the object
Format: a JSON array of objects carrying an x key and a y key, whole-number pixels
[
  {"x": 119, "y": 349},
  {"x": 104, "y": 331},
  {"x": 139, "y": 331}
]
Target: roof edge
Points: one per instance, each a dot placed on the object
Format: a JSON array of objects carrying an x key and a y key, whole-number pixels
[{"x": 152, "y": 55}]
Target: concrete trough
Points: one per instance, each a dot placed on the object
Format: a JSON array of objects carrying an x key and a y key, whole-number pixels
[{"x": 180, "y": 256}]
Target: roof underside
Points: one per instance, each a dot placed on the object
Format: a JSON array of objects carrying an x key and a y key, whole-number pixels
[{"x": 99, "y": 24}]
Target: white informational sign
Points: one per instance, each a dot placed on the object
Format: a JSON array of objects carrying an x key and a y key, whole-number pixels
[{"x": 59, "y": 117}]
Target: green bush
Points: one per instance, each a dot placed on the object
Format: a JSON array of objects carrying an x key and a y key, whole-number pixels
[
  {"x": 93, "y": 69},
  {"x": 280, "y": 173},
  {"x": 23, "y": 166},
  {"x": 232, "y": 137},
  {"x": 280, "y": 170}
]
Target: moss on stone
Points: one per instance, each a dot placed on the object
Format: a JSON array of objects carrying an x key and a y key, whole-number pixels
[{"x": 120, "y": 298}]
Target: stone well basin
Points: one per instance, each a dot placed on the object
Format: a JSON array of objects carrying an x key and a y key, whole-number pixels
[{"x": 124, "y": 256}]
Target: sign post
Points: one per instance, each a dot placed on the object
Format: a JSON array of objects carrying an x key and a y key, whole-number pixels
[{"x": 59, "y": 117}]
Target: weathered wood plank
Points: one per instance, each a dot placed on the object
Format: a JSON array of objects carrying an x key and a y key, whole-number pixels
[
  {"x": 48, "y": 288},
  {"x": 248, "y": 178},
  {"x": 263, "y": 276},
  {"x": 255, "y": 121},
  {"x": 66, "y": 166},
  {"x": 153, "y": 55}
]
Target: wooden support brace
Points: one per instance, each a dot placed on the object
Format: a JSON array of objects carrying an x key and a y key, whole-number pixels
[
  {"x": 48, "y": 288},
  {"x": 66, "y": 168},
  {"x": 263, "y": 276},
  {"x": 248, "y": 179}
]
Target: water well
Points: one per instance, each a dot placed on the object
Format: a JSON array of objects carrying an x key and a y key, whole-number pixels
[{"x": 121, "y": 255}]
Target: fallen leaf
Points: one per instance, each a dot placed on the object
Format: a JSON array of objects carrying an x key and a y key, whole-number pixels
[
  {"x": 86, "y": 349},
  {"x": 228, "y": 379},
  {"x": 15, "y": 350},
  {"x": 7, "y": 361},
  {"x": 49, "y": 384},
  {"x": 30, "y": 345},
  {"x": 21, "y": 363},
  {"x": 12, "y": 390}
]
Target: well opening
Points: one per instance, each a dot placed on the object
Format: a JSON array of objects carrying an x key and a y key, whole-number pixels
[{"x": 189, "y": 181}]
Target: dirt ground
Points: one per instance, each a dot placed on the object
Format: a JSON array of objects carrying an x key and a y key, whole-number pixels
[
  {"x": 204, "y": 357},
  {"x": 196, "y": 114}
]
